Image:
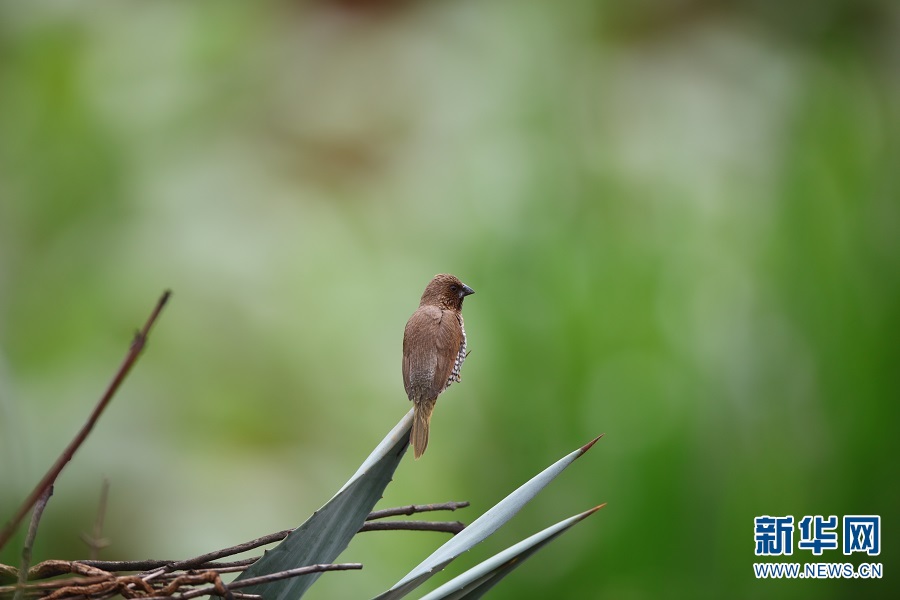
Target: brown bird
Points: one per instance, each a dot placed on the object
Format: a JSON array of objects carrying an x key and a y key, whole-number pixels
[{"x": 434, "y": 348}]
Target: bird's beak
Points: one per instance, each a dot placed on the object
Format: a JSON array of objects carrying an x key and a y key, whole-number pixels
[{"x": 467, "y": 291}]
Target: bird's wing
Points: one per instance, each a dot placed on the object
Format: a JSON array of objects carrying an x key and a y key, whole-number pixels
[{"x": 430, "y": 344}]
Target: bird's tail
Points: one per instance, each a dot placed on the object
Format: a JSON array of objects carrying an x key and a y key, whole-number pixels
[{"x": 421, "y": 420}]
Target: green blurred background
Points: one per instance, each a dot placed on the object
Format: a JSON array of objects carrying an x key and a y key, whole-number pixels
[{"x": 681, "y": 220}]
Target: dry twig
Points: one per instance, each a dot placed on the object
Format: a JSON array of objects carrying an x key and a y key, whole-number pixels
[
  {"x": 413, "y": 509},
  {"x": 453, "y": 527},
  {"x": 29, "y": 541},
  {"x": 274, "y": 577},
  {"x": 103, "y": 585},
  {"x": 137, "y": 344}
]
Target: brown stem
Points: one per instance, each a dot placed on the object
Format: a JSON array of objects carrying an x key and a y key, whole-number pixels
[
  {"x": 211, "y": 589},
  {"x": 29, "y": 541},
  {"x": 453, "y": 527},
  {"x": 413, "y": 509},
  {"x": 133, "y": 352},
  {"x": 191, "y": 563}
]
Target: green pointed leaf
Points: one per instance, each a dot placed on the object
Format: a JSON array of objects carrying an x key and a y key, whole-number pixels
[
  {"x": 482, "y": 527},
  {"x": 329, "y": 530},
  {"x": 476, "y": 582}
]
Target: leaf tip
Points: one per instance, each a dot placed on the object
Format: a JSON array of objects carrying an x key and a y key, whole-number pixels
[
  {"x": 590, "y": 511},
  {"x": 587, "y": 446}
]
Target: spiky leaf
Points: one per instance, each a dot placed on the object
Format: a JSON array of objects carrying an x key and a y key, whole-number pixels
[
  {"x": 482, "y": 527},
  {"x": 329, "y": 530},
  {"x": 476, "y": 582}
]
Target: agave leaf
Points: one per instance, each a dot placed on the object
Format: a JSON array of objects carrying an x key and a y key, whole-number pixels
[
  {"x": 482, "y": 527},
  {"x": 329, "y": 530},
  {"x": 476, "y": 582}
]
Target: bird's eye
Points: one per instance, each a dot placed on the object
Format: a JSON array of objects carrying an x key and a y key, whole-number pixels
[{"x": 454, "y": 288}]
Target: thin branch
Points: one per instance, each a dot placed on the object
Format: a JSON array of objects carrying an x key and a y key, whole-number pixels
[
  {"x": 453, "y": 527},
  {"x": 102, "y": 587},
  {"x": 58, "y": 583},
  {"x": 29, "y": 541},
  {"x": 275, "y": 577},
  {"x": 137, "y": 344},
  {"x": 413, "y": 509},
  {"x": 191, "y": 563},
  {"x": 95, "y": 541},
  {"x": 235, "y": 568},
  {"x": 53, "y": 568},
  {"x": 99, "y": 584}
]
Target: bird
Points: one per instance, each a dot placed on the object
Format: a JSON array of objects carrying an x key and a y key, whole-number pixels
[{"x": 434, "y": 349}]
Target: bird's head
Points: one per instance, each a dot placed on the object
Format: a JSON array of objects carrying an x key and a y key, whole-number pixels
[{"x": 446, "y": 291}]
